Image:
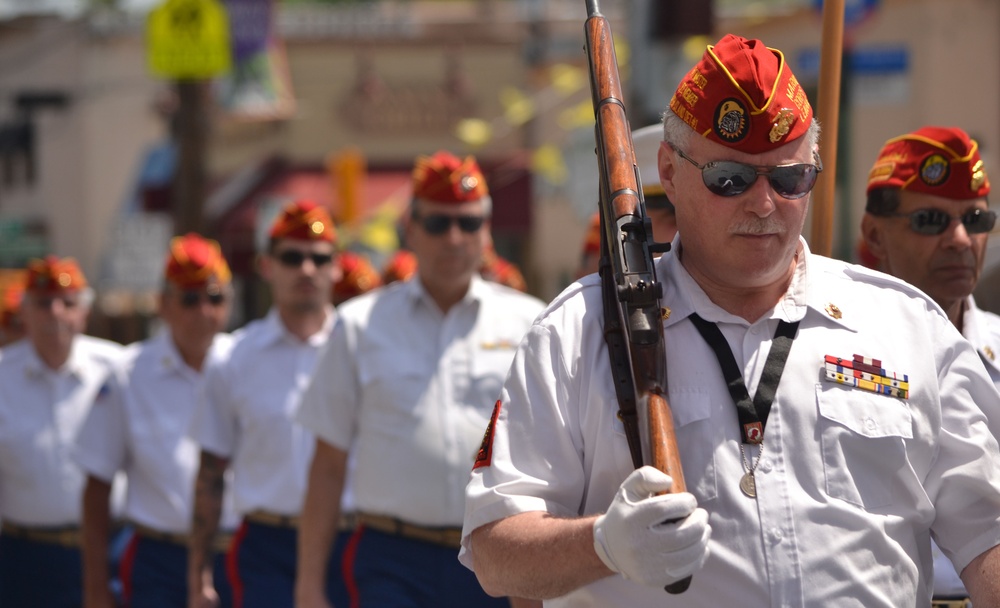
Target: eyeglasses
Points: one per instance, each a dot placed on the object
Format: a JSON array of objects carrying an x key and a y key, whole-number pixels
[
  {"x": 730, "y": 178},
  {"x": 293, "y": 258},
  {"x": 439, "y": 223},
  {"x": 934, "y": 221},
  {"x": 193, "y": 298},
  {"x": 46, "y": 302}
]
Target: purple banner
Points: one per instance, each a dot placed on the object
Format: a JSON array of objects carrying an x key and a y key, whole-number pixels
[{"x": 249, "y": 26}]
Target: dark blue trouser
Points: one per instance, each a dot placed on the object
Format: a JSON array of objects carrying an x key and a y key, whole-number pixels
[
  {"x": 265, "y": 558},
  {"x": 403, "y": 573},
  {"x": 154, "y": 575},
  {"x": 34, "y": 574}
]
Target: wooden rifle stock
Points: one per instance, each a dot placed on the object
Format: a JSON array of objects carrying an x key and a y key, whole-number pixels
[{"x": 633, "y": 326}]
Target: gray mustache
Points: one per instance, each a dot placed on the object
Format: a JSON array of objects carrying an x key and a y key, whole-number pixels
[{"x": 767, "y": 225}]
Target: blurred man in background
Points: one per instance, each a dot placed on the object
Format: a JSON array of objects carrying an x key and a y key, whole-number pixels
[
  {"x": 244, "y": 418},
  {"x": 141, "y": 429},
  {"x": 406, "y": 386},
  {"x": 48, "y": 383},
  {"x": 927, "y": 221}
]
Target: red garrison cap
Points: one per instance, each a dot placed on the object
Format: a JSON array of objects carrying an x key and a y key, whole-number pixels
[
  {"x": 304, "y": 220},
  {"x": 743, "y": 95},
  {"x": 400, "y": 267},
  {"x": 357, "y": 276},
  {"x": 942, "y": 161},
  {"x": 445, "y": 178},
  {"x": 193, "y": 260},
  {"x": 54, "y": 274}
]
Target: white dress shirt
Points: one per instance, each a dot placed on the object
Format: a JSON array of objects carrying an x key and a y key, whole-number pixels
[
  {"x": 245, "y": 414},
  {"x": 141, "y": 428},
  {"x": 409, "y": 391},
  {"x": 41, "y": 411},
  {"x": 851, "y": 485}
]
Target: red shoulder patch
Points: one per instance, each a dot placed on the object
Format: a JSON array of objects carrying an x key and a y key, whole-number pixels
[{"x": 485, "y": 455}]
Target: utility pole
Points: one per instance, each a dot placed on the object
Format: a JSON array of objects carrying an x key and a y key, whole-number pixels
[{"x": 191, "y": 137}]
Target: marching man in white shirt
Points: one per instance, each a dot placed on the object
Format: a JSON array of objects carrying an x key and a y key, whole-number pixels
[
  {"x": 140, "y": 428},
  {"x": 407, "y": 385},
  {"x": 48, "y": 382},
  {"x": 245, "y": 418}
]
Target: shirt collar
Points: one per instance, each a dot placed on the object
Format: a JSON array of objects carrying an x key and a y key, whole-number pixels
[
  {"x": 417, "y": 293},
  {"x": 975, "y": 330},
  {"x": 274, "y": 331},
  {"x": 74, "y": 365},
  {"x": 683, "y": 295}
]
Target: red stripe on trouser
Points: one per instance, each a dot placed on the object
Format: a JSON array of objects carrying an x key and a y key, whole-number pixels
[
  {"x": 233, "y": 566},
  {"x": 125, "y": 567},
  {"x": 347, "y": 567}
]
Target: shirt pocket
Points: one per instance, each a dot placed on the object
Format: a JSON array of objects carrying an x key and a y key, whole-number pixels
[
  {"x": 696, "y": 441},
  {"x": 697, "y": 438},
  {"x": 396, "y": 381},
  {"x": 489, "y": 368},
  {"x": 863, "y": 444}
]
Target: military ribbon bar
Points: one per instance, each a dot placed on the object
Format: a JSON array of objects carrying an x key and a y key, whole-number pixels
[{"x": 867, "y": 374}]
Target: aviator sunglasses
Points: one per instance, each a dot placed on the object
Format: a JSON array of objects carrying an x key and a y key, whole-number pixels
[
  {"x": 934, "y": 221},
  {"x": 731, "y": 178},
  {"x": 439, "y": 223},
  {"x": 293, "y": 258}
]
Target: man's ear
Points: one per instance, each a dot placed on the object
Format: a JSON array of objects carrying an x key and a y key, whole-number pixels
[
  {"x": 263, "y": 264},
  {"x": 666, "y": 166},
  {"x": 871, "y": 231}
]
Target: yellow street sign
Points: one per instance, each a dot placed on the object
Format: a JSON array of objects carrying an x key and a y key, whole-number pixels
[{"x": 188, "y": 39}]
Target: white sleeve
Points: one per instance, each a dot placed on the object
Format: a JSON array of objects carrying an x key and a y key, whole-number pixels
[
  {"x": 214, "y": 424},
  {"x": 101, "y": 443},
  {"x": 330, "y": 403}
]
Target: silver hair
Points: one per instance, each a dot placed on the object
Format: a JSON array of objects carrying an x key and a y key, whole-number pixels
[{"x": 678, "y": 133}]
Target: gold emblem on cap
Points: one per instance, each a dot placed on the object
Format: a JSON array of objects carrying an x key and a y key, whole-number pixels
[
  {"x": 978, "y": 176},
  {"x": 664, "y": 313},
  {"x": 989, "y": 353},
  {"x": 65, "y": 279},
  {"x": 782, "y": 125},
  {"x": 934, "y": 170},
  {"x": 317, "y": 227},
  {"x": 833, "y": 310},
  {"x": 731, "y": 121},
  {"x": 469, "y": 183}
]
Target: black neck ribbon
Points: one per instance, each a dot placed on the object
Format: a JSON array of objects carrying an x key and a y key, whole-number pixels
[{"x": 752, "y": 413}]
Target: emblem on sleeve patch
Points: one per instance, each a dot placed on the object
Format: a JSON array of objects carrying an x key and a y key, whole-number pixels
[
  {"x": 867, "y": 374},
  {"x": 485, "y": 455}
]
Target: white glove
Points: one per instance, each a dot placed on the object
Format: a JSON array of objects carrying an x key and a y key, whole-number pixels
[{"x": 633, "y": 539}]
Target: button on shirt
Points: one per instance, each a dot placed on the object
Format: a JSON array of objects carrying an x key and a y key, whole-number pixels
[
  {"x": 41, "y": 411},
  {"x": 413, "y": 389},
  {"x": 141, "y": 428},
  {"x": 851, "y": 484},
  {"x": 245, "y": 414}
]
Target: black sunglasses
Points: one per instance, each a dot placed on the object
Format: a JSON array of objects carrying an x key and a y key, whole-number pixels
[
  {"x": 193, "y": 298},
  {"x": 730, "y": 178},
  {"x": 934, "y": 221},
  {"x": 293, "y": 258},
  {"x": 439, "y": 223}
]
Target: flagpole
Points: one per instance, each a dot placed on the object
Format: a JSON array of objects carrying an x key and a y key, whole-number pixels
[{"x": 823, "y": 198}]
